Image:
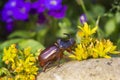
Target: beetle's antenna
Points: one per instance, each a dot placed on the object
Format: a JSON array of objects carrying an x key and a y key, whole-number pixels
[{"x": 68, "y": 35}]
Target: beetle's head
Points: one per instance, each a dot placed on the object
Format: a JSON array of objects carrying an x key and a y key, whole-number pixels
[
  {"x": 70, "y": 39},
  {"x": 64, "y": 44}
]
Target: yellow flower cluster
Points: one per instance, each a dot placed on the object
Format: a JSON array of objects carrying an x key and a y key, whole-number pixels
[
  {"x": 86, "y": 31},
  {"x": 20, "y": 63},
  {"x": 10, "y": 54},
  {"x": 90, "y": 47}
]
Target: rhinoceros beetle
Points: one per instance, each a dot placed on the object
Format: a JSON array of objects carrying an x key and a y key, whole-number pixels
[{"x": 55, "y": 52}]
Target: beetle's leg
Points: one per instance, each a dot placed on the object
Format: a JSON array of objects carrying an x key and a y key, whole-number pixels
[
  {"x": 69, "y": 50},
  {"x": 58, "y": 60},
  {"x": 46, "y": 65},
  {"x": 60, "y": 55}
]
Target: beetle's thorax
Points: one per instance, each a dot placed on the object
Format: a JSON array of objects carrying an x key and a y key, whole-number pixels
[{"x": 64, "y": 44}]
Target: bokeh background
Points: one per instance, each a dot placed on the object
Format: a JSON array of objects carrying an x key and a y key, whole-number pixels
[{"x": 39, "y": 23}]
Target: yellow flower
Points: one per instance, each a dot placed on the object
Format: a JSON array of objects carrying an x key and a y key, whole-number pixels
[
  {"x": 110, "y": 47},
  {"x": 13, "y": 66},
  {"x": 27, "y": 51},
  {"x": 21, "y": 63},
  {"x": 27, "y": 65},
  {"x": 32, "y": 77},
  {"x": 79, "y": 53},
  {"x": 6, "y": 78},
  {"x": 94, "y": 55},
  {"x": 106, "y": 56},
  {"x": 9, "y": 54},
  {"x": 20, "y": 77},
  {"x": 90, "y": 47},
  {"x": 104, "y": 47},
  {"x": 6, "y": 62},
  {"x": 10, "y": 79},
  {"x": 85, "y": 31},
  {"x": 13, "y": 46},
  {"x": 94, "y": 49}
]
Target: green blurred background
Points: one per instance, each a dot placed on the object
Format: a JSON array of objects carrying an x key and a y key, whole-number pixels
[{"x": 31, "y": 33}]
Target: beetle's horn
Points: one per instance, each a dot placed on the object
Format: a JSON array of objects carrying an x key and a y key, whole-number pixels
[{"x": 68, "y": 35}]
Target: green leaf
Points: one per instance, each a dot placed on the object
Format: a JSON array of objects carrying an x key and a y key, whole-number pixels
[
  {"x": 117, "y": 17},
  {"x": 23, "y": 43},
  {"x": 65, "y": 27},
  {"x": 110, "y": 27},
  {"x": 118, "y": 44},
  {"x": 1, "y": 63},
  {"x": 98, "y": 10},
  {"x": 40, "y": 36},
  {"x": 22, "y": 34},
  {"x": 5, "y": 71},
  {"x": 9, "y": 42},
  {"x": 35, "y": 45},
  {"x": 64, "y": 23}
]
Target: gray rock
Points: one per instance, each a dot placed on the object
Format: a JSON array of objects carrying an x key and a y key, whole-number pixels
[{"x": 92, "y": 69}]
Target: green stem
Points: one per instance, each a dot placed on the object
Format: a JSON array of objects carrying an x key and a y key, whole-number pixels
[
  {"x": 85, "y": 11},
  {"x": 83, "y": 6}
]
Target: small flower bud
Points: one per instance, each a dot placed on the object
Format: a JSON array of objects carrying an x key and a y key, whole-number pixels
[{"x": 83, "y": 18}]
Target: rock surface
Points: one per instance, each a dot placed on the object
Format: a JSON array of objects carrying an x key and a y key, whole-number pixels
[{"x": 92, "y": 69}]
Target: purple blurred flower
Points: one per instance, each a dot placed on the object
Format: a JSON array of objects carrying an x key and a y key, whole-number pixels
[
  {"x": 7, "y": 15},
  {"x": 60, "y": 13},
  {"x": 42, "y": 5},
  {"x": 53, "y": 4},
  {"x": 38, "y": 6},
  {"x": 19, "y": 10},
  {"x": 83, "y": 18},
  {"x": 22, "y": 12},
  {"x": 15, "y": 9}
]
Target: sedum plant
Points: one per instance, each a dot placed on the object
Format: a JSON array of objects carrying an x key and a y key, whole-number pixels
[
  {"x": 21, "y": 64},
  {"x": 90, "y": 47}
]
